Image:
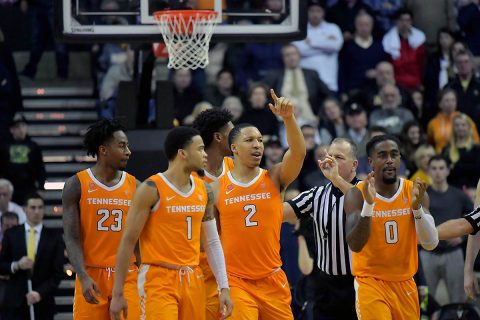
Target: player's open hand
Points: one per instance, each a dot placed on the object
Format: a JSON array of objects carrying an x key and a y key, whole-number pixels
[
  {"x": 118, "y": 306},
  {"x": 329, "y": 167},
  {"x": 419, "y": 189},
  {"x": 90, "y": 289},
  {"x": 283, "y": 107},
  {"x": 226, "y": 305},
  {"x": 368, "y": 189}
]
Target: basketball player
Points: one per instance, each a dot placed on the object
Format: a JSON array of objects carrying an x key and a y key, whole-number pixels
[
  {"x": 169, "y": 213},
  {"x": 214, "y": 126},
  {"x": 95, "y": 205},
  {"x": 386, "y": 216},
  {"x": 248, "y": 200}
]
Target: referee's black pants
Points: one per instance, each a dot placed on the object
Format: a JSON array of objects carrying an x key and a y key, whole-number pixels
[{"x": 334, "y": 297}]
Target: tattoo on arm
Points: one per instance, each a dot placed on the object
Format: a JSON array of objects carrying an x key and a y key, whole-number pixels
[
  {"x": 71, "y": 223},
  {"x": 209, "y": 210}
]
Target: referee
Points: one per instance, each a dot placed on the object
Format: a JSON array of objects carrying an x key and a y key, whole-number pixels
[{"x": 335, "y": 295}]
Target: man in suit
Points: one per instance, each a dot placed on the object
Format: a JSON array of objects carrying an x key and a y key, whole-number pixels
[
  {"x": 303, "y": 86},
  {"x": 33, "y": 252}
]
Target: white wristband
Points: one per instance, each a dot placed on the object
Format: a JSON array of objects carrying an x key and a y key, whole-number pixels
[
  {"x": 418, "y": 213},
  {"x": 367, "y": 209}
]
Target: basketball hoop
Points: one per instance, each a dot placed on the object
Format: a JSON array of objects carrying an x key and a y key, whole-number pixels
[{"x": 187, "y": 35}]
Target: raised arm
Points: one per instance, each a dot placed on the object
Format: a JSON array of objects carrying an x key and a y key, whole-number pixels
[
  {"x": 71, "y": 228},
  {"x": 288, "y": 170},
  {"x": 144, "y": 200},
  {"x": 359, "y": 214},
  {"x": 216, "y": 259}
]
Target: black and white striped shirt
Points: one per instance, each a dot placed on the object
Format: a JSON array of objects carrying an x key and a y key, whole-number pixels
[
  {"x": 325, "y": 205},
  {"x": 474, "y": 219}
]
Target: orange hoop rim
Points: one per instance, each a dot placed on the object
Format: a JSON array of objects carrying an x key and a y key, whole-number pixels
[{"x": 194, "y": 14}]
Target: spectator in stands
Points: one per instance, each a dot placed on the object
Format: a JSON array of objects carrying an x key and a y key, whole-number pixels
[
  {"x": 431, "y": 15},
  {"x": 412, "y": 137},
  {"x": 369, "y": 96},
  {"x": 468, "y": 17},
  {"x": 109, "y": 54},
  {"x": 31, "y": 251},
  {"x": 185, "y": 97},
  {"x": 467, "y": 86},
  {"x": 439, "y": 67},
  {"x": 273, "y": 152},
  {"x": 360, "y": 56},
  {"x": 421, "y": 157},
  {"x": 319, "y": 51},
  {"x": 416, "y": 104},
  {"x": 21, "y": 161},
  {"x": 331, "y": 123},
  {"x": 199, "y": 107},
  {"x": 6, "y": 204},
  {"x": 40, "y": 13},
  {"x": 257, "y": 112},
  {"x": 256, "y": 60},
  {"x": 224, "y": 87},
  {"x": 439, "y": 130},
  {"x": 8, "y": 219},
  {"x": 392, "y": 116},
  {"x": 343, "y": 14},
  {"x": 463, "y": 153},
  {"x": 357, "y": 122},
  {"x": 235, "y": 106},
  {"x": 302, "y": 86},
  {"x": 384, "y": 11},
  {"x": 109, "y": 87},
  {"x": 446, "y": 260},
  {"x": 406, "y": 47},
  {"x": 315, "y": 177}
]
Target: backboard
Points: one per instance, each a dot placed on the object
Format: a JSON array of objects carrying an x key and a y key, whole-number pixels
[{"x": 132, "y": 20}]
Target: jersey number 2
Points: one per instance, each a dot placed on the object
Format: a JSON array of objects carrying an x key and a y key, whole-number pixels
[
  {"x": 117, "y": 216},
  {"x": 251, "y": 209},
  {"x": 391, "y": 232}
]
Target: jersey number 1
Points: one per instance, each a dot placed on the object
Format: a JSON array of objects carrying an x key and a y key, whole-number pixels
[{"x": 117, "y": 216}]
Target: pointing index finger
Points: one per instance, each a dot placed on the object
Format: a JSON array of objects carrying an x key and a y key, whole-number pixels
[{"x": 274, "y": 96}]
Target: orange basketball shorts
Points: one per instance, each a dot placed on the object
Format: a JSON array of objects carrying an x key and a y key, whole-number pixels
[
  {"x": 379, "y": 299},
  {"x": 267, "y": 299},
  {"x": 104, "y": 278},
  {"x": 171, "y": 294}
]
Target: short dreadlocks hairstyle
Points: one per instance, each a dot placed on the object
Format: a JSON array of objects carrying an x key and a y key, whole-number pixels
[{"x": 100, "y": 133}]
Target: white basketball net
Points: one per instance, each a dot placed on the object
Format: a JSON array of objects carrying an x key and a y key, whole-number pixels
[{"x": 187, "y": 38}]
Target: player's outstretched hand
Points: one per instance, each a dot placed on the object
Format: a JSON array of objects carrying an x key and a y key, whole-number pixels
[
  {"x": 90, "y": 289},
  {"x": 282, "y": 107},
  {"x": 226, "y": 305},
  {"x": 118, "y": 306},
  {"x": 368, "y": 189},
  {"x": 419, "y": 188}
]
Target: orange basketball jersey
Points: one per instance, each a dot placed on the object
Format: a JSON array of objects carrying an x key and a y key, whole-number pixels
[
  {"x": 227, "y": 165},
  {"x": 172, "y": 232},
  {"x": 103, "y": 211},
  {"x": 250, "y": 218},
  {"x": 391, "y": 251}
]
